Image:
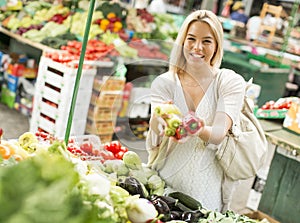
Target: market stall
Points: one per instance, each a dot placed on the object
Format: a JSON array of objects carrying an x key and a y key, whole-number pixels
[{"x": 104, "y": 179}]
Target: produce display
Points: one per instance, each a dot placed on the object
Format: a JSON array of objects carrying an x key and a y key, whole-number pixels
[
  {"x": 58, "y": 186},
  {"x": 54, "y": 25},
  {"x": 43, "y": 179},
  {"x": 275, "y": 109}
]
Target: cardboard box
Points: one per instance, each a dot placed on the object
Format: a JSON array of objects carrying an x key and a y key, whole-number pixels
[
  {"x": 291, "y": 121},
  {"x": 258, "y": 215}
]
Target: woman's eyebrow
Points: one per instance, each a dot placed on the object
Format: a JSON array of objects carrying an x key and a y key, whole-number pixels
[{"x": 205, "y": 37}]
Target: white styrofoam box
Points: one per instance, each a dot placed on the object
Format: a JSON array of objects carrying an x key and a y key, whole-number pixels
[
  {"x": 136, "y": 110},
  {"x": 55, "y": 85},
  {"x": 58, "y": 129},
  {"x": 139, "y": 103},
  {"x": 140, "y": 95},
  {"x": 62, "y": 76}
]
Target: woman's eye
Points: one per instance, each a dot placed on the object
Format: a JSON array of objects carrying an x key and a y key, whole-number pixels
[
  {"x": 207, "y": 41},
  {"x": 190, "y": 38}
]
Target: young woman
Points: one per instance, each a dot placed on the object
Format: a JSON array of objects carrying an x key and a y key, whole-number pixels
[{"x": 193, "y": 83}]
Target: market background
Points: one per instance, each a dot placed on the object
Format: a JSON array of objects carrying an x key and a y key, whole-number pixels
[{"x": 275, "y": 59}]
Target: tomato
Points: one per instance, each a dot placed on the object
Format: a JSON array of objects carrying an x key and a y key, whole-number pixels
[
  {"x": 124, "y": 149},
  {"x": 119, "y": 155},
  {"x": 1, "y": 132},
  {"x": 87, "y": 147},
  {"x": 114, "y": 147},
  {"x": 72, "y": 148},
  {"x": 5, "y": 151},
  {"x": 106, "y": 155}
]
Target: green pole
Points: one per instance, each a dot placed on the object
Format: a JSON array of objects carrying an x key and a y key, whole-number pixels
[
  {"x": 290, "y": 26},
  {"x": 79, "y": 71}
]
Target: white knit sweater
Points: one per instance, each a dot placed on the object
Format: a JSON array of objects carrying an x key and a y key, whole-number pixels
[{"x": 191, "y": 167}]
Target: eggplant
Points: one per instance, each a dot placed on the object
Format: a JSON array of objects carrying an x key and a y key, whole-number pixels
[
  {"x": 133, "y": 186},
  {"x": 175, "y": 215},
  {"x": 162, "y": 208},
  {"x": 191, "y": 216},
  {"x": 170, "y": 201}
]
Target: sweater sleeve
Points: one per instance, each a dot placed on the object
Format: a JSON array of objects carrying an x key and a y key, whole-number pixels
[
  {"x": 231, "y": 90},
  {"x": 162, "y": 89}
]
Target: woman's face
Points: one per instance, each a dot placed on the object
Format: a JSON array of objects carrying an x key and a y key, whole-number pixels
[{"x": 199, "y": 44}]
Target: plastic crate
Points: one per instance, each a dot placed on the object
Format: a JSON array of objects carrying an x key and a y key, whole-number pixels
[
  {"x": 275, "y": 62},
  {"x": 12, "y": 82},
  {"x": 8, "y": 97}
]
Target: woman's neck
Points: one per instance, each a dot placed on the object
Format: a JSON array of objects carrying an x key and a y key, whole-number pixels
[{"x": 200, "y": 72}]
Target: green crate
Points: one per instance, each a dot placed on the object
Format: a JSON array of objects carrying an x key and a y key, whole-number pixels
[
  {"x": 270, "y": 62},
  {"x": 8, "y": 97},
  {"x": 272, "y": 82}
]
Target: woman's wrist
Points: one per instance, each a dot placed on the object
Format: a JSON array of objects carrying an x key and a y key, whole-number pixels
[{"x": 204, "y": 134}]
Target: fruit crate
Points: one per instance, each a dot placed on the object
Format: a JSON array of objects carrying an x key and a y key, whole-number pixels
[
  {"x": 113, "y": 83},
  {"x": 102, "y": 114},
  {"x": 107, "y": 99},
  {"x": 104, "y": 138},
  {"x": 100, "y": 128},
  {"x": 53, "y": 97}
]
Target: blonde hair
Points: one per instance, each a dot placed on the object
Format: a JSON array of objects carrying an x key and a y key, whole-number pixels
[{"x": 177, "y": 59}]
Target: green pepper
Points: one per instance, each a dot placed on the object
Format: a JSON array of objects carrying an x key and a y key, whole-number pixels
[
  {"x": 174, "y": 121},
  {"x": 170, "y": 131}
]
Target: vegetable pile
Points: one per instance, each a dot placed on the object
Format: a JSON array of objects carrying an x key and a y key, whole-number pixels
[{"x": 58, "y": 186}]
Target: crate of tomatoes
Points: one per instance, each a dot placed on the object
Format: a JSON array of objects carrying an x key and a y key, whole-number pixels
[{"x": 274, "y": 109}]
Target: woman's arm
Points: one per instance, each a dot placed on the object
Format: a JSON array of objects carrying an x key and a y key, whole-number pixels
[
  {"x": 215, "y": 134},
  {"x": 231, "y": 92}
]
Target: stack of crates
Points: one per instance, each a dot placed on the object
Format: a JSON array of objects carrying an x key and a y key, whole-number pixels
[
  {"x": 53, "y": 96},
  {"x": 106, "y": 101}
]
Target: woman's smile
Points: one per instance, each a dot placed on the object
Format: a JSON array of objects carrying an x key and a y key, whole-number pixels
[{"x": 199, "y": 44}]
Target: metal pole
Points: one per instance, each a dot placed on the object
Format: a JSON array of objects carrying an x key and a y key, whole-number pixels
[{"x": 79, "y": 71}]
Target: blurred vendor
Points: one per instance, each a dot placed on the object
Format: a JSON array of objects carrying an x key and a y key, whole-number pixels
[
  {"x": 253, "y": 26},
  {"x": 238, "y": 13},
  {"x": 157, "y": 6}
]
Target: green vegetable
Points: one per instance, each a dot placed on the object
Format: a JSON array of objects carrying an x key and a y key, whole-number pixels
[
  {"x": 40, "y": 189},
  {"x": 186, "y": 200},
  {"x": 174, "y": 121},
  {"x": 170, "y": 131}
]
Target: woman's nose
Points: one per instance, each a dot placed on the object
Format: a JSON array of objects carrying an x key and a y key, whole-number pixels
[{"x": 198, "y": 45}]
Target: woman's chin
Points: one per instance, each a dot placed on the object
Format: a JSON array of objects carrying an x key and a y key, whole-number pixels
[{"x": 196, "y": 61}]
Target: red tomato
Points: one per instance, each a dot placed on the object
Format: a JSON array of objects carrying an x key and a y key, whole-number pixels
[
  {"x": 87, "y": 147},
  {"x": 72, "y": 147},
  {"x": 156, "y": 221},
  {"x": 114, "y": 147},
  {"x": 106, "y": 155},
  {"x": 124, "y": 149},
  {"x": 119, "y": 155},
  {"x": 265, "y": 107}
]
